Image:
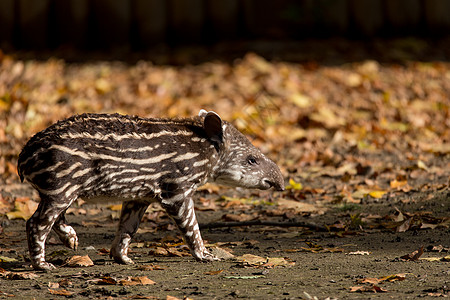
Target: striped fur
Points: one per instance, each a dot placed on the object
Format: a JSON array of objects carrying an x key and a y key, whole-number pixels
[{"x": 135, "y": 160}]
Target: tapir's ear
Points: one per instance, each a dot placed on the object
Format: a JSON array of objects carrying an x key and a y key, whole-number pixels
[
  {"x": 202, "y": 113},
  {"x": 213, "y": 126}
]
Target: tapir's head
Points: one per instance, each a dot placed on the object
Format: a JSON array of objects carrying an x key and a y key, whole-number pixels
[{"x": 240, "y": 163}]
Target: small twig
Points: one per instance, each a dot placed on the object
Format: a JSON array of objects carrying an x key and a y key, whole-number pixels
[{"x": 262, "y": 223}]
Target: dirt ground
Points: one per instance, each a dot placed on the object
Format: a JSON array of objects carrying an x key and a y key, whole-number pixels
[{"x": 322, "y": 275}]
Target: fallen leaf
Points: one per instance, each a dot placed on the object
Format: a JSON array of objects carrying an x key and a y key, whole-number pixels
[
  {"x": 359, "y": 253},
  {"x": 105, "y": 281},
  {"x": 79, "y": 261},
  {"x": 250, "y": 259},
  {"x": 220, "y": 253},
  {"x": 6, "y": 259},
  {"x": 294, "y": 185},
  {"x": 140, "y": 280},
  {"x": 431, "y": 258},
  {"x": 365, "y": 289},
  {"x": 422, "y": 165},
  {"x": 23, "y": 209},
  {"x": 213, "y": 272},
  {"x": 393, "y": 277},
  {"x": 298, "y": 206},
  {"x": 62, "y": 292},
  {"x": 395, "y": 184},
  {"x": 278, "y": 261},
  {"x": 377, "y": 194},
  {"x": 413, "y": 255},
  {"x": 53, "y": 285},
  {"x": 115, "y": 207},
  {"x": 20, "y": 275}
]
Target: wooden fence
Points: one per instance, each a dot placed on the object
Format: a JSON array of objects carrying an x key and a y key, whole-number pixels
[{"x": 139, "y": 24}]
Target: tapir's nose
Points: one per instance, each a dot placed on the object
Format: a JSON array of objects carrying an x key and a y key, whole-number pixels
[
  {"x": 277, "y": 186},
  {"x": 277, "y": 180}
]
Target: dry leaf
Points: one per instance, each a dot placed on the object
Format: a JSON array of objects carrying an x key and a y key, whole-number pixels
[
  {"x": 250, "y": 259},
  {"x": 359, "y": 253},
  {"x": 20, "y": 275},
  {"x": 61, "y": 292},
  {"x": 53, "y": 285},
  {"x": 278, "y": 261},
  {"x": 79, "y": 261},
  {"x": 365, "y": 289},
  {"x": 299, "y": 207},
  {"x": 23, "y": 209},
  {"x": 395, "y": 184},
  {"x": 294, "y": 185},
  {"x": 140, "y": 280},
  {"x": 413, "y": 255},
  {"x": 213, "y": 272},
  {"x": 220, "y": 253}
]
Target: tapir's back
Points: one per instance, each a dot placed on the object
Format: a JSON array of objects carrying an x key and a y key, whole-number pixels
[{"x": 115, "y": 155}]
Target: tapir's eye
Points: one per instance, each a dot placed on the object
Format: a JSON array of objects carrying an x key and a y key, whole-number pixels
[{"x": 252, "y": 160}]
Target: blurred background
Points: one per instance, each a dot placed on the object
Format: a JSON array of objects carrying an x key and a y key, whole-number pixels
[{"x": 118, "y": 27}]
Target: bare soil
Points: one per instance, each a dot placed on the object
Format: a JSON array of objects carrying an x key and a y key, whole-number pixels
[{"x": 322, "y": 275}]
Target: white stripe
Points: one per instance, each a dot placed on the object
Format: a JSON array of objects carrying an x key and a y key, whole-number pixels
[
  {"x": 181, "y": 210},
  {"x": 55, "y": 192},
  {"x": 117, "y": 137},
  {"x": 49, "y": 169},
  {"x": 201, "y": 163},
  {"x": 121, "y": 150},
  {"x": 145, "y": 177},
  {"x": 72, "y": 189},
  {"x": 91, "y": 155},
  {"x": 185, "y": 156},
  {"x": 81, "y": 172},
  {"x": 186, "y": 177},
  {"x": 68, "y": 170}
]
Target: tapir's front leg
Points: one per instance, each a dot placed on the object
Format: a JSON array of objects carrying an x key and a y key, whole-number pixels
[{"x": 182, "y": 211}]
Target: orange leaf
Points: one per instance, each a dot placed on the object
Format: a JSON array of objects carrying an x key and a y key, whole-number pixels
[
  {"x": 61, "y": 292},
  {"x": 214, "y": 272},
  {"x": 140, "y": 280},
  {"x": 396, "y": 183},
  {"x": 79, "y": 261}
]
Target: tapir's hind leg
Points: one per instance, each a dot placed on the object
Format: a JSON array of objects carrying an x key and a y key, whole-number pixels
[
  {"x": 131, "y": 215},
  {"x": 66, "y": 233},
  {"x": 39, "y": 226}
]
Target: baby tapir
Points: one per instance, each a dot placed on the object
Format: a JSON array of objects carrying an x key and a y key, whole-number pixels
[{"x": 135, "y": 160}]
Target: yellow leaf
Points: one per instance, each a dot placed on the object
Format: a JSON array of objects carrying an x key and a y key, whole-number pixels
[
  {"x": 422, "y": 165},
  {"x": 377, "y": 194},
  {"x": 300, "y": 100},
  {"x": 23, "y": 209},
  {"x": 115, "y": 207},
  {"x": 294, "y": 185}
]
